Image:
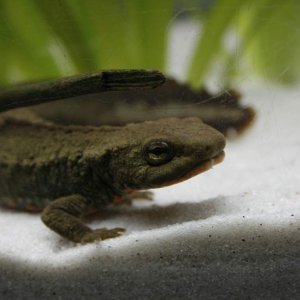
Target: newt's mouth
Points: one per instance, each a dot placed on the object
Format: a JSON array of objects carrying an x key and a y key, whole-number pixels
[{"x": 200, "y": 168}]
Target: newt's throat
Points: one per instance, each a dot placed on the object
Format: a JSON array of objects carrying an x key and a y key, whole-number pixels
[{"x": 202, "y": 167}]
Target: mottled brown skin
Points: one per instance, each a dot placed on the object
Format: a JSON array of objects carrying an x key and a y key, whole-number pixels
[{"x": 67, "y": 170}]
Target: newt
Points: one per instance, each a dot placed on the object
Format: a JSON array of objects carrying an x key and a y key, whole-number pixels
[
  {"x": 224, "y": 111},
  {"x": 65, "y": 171}
]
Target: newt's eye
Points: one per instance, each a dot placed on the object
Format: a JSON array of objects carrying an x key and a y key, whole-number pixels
[{"x": 158, "y": 152}]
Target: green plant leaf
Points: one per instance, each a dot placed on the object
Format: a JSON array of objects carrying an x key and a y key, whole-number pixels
[
  {"x": 219, "y": 18},
  {"x": 31, "y": 36},
  {"x": 147, "y": 31},
  {"x": 68, "y": 21},
  {"x": 274, "y": 52}
]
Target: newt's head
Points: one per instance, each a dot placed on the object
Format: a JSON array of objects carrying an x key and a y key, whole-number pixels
[{"x": 164, "y": 152}]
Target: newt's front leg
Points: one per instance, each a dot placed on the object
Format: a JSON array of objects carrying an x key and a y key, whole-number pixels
[{"x": 62, "y": 216}]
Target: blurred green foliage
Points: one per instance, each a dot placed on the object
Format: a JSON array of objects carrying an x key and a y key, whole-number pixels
[{"x": 53, "y": 38}]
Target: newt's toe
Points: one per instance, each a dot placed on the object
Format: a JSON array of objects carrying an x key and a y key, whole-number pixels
[
  {"x": 102, "y": 234},
  {"x": 138, "y": 195}
]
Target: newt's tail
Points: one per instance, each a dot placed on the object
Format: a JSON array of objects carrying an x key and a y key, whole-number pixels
[{"x": 47, "y": 91}]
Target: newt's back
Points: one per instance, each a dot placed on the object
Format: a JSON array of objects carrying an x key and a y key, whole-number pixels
[{"x": 39, "y": 162}]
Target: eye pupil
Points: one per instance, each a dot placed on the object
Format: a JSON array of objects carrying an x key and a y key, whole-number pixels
[{"x": 158, "y": 150}]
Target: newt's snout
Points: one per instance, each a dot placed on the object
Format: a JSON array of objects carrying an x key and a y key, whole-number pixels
[{"x": 208, "y": 145}]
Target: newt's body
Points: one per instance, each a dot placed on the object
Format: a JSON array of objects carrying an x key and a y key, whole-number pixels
[
  {"x": 66, "y": 170},
  {"x": 70, "y": 169}
]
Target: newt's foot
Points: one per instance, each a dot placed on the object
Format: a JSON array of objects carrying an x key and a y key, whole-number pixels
[
  {"x": 102, "y": 234},
  {"x": 142, "y": 195},
  {"x": 137, "y": 195}
]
